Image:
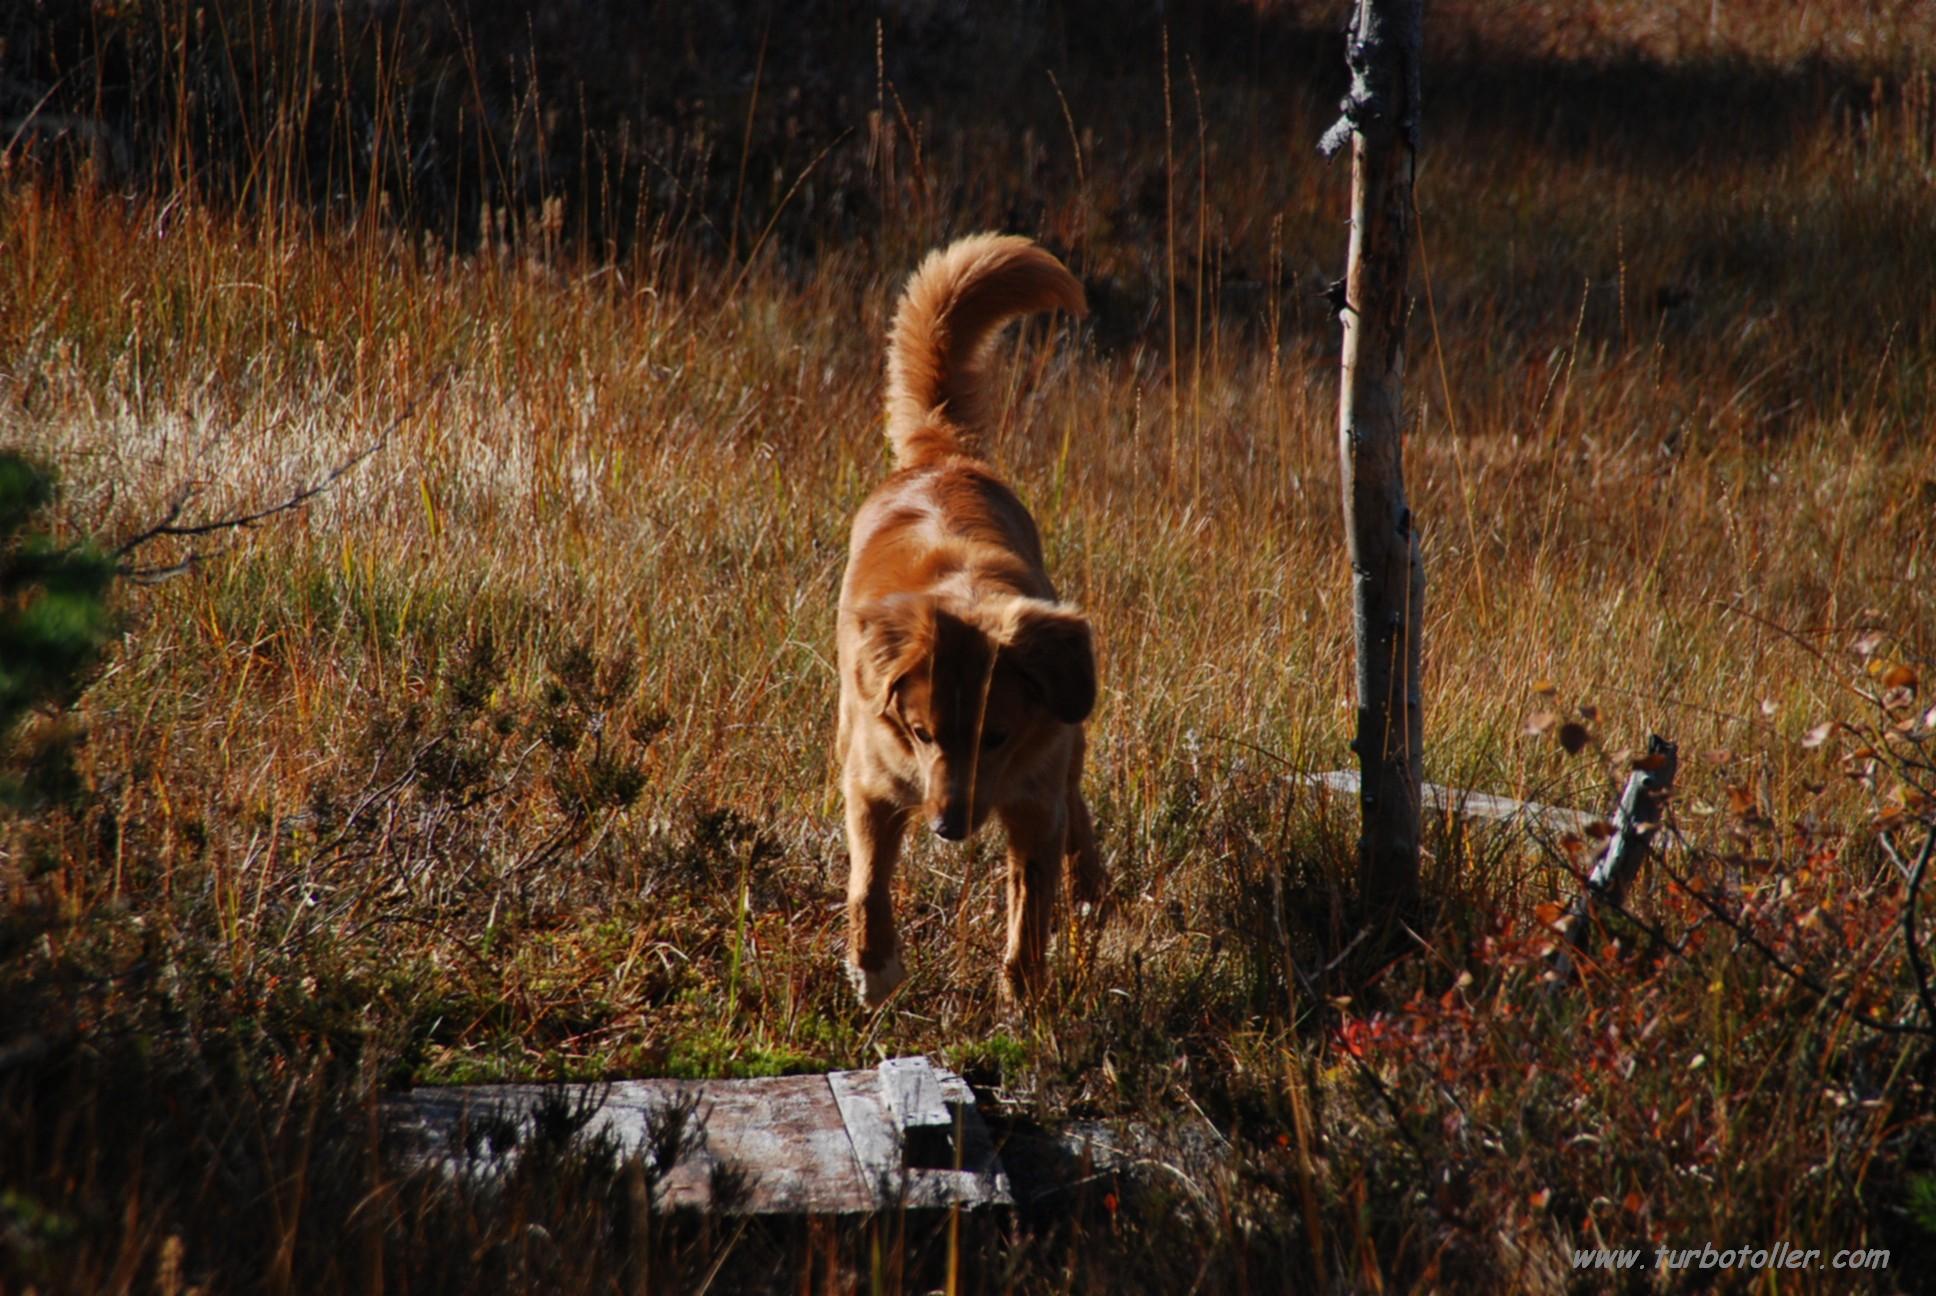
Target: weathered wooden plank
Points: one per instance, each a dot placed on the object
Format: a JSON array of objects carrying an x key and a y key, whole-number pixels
[
  {"x": 1470, "y": 805},
  {"x": 876, "y": 1142},
  {"x": 819, "y": 1145},
  {"x": 912, "y": 1093},
  {"x": 880, "y": 1148},
  {"x": 784, "y": 1135},
  {"x": 787, "y": 1135}
]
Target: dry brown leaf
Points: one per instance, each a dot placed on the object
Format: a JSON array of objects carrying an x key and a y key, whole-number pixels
[{"x": 1574, "y": 737}]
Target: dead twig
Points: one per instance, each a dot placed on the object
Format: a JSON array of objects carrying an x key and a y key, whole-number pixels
[
  {"x": 1912, "y": 877},
  {"x": 170, "y": 526},
  {"x": 1795, "y": 974}
]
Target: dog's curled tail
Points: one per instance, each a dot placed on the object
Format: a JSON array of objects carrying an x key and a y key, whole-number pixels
[{"x": 954, "y": 303}]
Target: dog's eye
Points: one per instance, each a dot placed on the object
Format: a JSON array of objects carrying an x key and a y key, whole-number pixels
[
  {"x": 993, "y": 738},
  {"x": 921, "y": 735}
]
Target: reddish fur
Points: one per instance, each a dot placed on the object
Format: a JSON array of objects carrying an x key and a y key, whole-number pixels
[
  {"x": 952, "y": 308},
  {"x": 950, "y": 628}
]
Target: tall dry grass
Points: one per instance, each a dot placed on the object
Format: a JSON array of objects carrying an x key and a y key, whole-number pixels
[{"x": 508, "y": 754}]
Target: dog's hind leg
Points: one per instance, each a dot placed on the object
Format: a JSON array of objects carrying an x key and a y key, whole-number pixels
[
  {"x": 1088, "y": 884},
  {"x": 874, "y": 830}
]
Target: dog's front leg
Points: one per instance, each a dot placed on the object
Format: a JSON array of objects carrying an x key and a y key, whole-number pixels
[
  {"x": 874, "y": 830},
  {"x": 1037, "y": 836}
]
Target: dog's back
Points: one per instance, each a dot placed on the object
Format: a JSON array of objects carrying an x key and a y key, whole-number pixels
[{"x": 943, "y": 514}]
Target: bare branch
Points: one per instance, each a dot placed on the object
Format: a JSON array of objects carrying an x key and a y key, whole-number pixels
[
  {"x": 1793, "y": 973},
  {"x": 1913, "y": 885},
  {"x": 168, "y": 526},
  {"x": 167, "y": 571}
]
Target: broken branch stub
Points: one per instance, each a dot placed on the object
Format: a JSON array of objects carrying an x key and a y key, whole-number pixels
[{"x": 1633, "y": 828}]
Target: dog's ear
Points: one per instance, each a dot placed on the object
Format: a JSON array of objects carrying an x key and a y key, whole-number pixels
[
  {"x": 894, "y": 632},
  {"x": 1051, "y": 645}
]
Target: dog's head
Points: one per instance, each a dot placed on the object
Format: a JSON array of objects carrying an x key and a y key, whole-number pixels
[{"x": 972, "y": 696}]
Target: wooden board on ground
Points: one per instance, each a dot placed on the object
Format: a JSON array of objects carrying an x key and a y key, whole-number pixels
[
  {"x": 808, "y": 1145},
  {"x": 1551, "y": 820}
]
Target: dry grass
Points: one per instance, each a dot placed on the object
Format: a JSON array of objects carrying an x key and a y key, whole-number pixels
[{"x": 509, "y": 754}]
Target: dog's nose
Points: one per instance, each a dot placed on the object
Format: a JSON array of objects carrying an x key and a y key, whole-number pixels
[{"x": 950, "y": 825}]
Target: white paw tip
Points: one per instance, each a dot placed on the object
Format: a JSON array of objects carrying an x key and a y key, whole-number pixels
[{"x": 874, "y": 986}]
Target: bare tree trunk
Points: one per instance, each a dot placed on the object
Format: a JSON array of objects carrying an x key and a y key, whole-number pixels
[{"x": 1388, "y": 579}]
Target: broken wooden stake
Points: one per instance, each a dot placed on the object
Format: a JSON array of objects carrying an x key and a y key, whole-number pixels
[{"x": 1633, "y": 827}]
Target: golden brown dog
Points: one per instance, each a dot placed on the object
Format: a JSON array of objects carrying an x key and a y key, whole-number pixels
[{"x": 963, "y": 682}]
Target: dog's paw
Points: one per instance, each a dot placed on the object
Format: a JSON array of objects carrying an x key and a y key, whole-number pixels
[
  {"x": 1090, "y": 900},
  {"x": 1088, "y": 882},
  {"x": 875, "y": 985},
  {"x": 1021, "y": 983}
]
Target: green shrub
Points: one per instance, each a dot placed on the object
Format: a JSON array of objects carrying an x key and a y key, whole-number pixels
[{"x": 53, "y": 623}]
